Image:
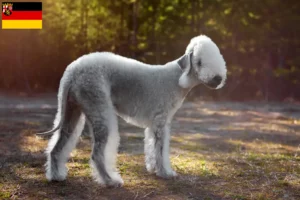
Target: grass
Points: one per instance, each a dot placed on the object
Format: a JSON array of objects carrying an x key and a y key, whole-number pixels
[{"x": 244, "y": 156}]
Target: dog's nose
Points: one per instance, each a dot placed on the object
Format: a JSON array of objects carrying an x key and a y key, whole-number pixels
[{"x": 215, "y": 81}]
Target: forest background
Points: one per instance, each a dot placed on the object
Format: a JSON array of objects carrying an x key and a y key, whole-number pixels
[{"x": 259, "y": 40}]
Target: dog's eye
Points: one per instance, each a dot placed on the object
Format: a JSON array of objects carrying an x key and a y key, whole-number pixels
[{"x": 199, "y": 63}]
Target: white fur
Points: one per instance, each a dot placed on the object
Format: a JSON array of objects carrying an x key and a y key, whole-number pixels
[
  {"x": 212, "y": 61},
  {"x": 110, "y": 150},
  {"x": 149, "y": 147},
  {"x": 184, "y": 81},
  {"x": 51, "y": 144},
  {"x": 149, "y": 150},
  {"x": 144, "y": 95},
  {"x": 64, "y": 155},
  {"x": 166, "y": 150}
]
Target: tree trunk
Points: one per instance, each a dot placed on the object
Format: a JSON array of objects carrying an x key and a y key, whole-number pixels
[
  {"x": 155, "y": 38},
  {"x": 268, "y": 71},
  {"x": 20, "y": 61},
  {"x": 134, "y": 27},
  {"x": 193, "y": 17},
  {"x": 83, "y": 35}
]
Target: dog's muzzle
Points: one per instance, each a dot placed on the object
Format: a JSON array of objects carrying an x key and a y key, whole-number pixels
[{"x": 214, "y": 82}]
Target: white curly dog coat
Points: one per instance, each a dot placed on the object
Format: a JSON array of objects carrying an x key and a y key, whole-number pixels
[{"x": 97, "y": 87}]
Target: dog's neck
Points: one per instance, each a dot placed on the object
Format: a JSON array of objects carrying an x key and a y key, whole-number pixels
[{"x": 193, "y": 81}]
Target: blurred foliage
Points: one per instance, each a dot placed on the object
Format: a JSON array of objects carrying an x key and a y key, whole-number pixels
[{"x": 259, "y": 40}]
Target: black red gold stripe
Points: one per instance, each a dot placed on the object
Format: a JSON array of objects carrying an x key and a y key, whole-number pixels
[
  {"x": 25, "y": 6},
  {"x": 23, "y": 15}
]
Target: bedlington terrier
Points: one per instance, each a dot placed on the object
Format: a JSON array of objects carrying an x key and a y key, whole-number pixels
[{"x": 98, "y": 87}]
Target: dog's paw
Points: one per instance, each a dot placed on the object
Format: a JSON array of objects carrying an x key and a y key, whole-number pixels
[
  {"x": 150, "y": 169},
  {"x": 114, "y": 183},
  {"x": 116, "y": 180},
  {"x": 56, "y": 173},
  {"x": 55, "y": 176},
  {"x": 166, "y": 174}
]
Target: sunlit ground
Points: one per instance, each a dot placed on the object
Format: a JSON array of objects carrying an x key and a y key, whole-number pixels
[{"x": 220, "y": 151}]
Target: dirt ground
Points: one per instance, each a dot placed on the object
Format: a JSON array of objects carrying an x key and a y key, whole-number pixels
[{"x": 221, "y": 150}]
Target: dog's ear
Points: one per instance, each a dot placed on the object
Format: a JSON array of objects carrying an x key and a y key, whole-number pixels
[
  {"x": 185, "y": 63},
  {"x": 182, "y": 61}
]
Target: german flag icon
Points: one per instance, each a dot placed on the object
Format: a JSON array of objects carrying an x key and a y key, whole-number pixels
[{"x": 22, "y": 15}]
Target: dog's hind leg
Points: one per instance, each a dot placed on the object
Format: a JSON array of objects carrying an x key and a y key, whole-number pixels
[
  {"x": 63, "y": 141},
  {"x": 102, "y": 121}
]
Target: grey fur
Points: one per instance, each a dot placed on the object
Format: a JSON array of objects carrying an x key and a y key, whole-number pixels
[{"x": 104, "y": 85}]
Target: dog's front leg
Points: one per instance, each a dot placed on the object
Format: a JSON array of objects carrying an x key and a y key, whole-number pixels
[{"x": 157, "y": 147}]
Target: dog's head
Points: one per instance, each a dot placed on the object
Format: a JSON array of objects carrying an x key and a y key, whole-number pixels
[{"x": 202, "y": 63}]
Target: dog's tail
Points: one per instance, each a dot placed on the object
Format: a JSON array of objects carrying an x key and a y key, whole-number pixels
[{"x": 62, "y": 102}]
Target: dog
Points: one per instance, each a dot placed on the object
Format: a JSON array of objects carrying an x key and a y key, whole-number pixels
[{"x": 98, "y": 87}]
